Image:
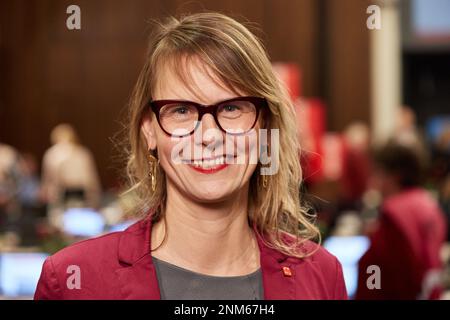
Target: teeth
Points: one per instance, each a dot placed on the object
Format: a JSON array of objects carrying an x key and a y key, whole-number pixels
[{"x": 209, "y": 163}]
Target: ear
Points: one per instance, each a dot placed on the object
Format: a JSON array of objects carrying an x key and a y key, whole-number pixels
[{"x": 148, "y": 129}]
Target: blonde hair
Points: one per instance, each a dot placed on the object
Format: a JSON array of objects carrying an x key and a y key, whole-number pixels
[{"x": 239, "y": 61}]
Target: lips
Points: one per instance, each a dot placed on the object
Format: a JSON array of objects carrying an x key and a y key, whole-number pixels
[
  {"x": 209, "y": 162},
  {"x": 210, "y": 169},
  {"x": 209, "y": 165}
]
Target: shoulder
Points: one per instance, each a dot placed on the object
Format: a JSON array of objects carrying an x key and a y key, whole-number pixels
[
  {"x": 108, "y": 248},
  {"x": 7, "y": 150},
  {"x": 319, "y": 273},
  {"x": 127, "y": 245},
  {"x": 326, "y": 270},
  {"x": 319, "y": 259},
  {"x": 407, "y": 199},
  {"x": 8, "y": 155},
  {"x": 318, "y": 254},
  {"x": 51, "y": 151},
  {"x": 82, "y": 151},
  {"x": 312, "y": 253},
  {"x": 96, "y": 260},
  {"x": 87, "y": 251}
]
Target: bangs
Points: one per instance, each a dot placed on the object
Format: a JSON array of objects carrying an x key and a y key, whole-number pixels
[{"x": 221, "y": 64}]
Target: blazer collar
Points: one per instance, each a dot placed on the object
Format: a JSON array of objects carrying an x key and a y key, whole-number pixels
[
  {"x": 137, "y": 276},
  {"x": 138, "y": 280}
]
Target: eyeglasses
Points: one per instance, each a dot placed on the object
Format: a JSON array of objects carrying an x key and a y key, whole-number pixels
[{"x": 235, "y": 116}]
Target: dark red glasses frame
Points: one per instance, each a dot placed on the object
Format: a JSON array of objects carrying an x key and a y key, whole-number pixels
[{"x": 258, "y": 102}]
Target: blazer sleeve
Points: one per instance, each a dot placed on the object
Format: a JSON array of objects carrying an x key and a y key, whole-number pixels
[
  {"x": 48, "y": 287},
  {"x": 340, "y": 291}
]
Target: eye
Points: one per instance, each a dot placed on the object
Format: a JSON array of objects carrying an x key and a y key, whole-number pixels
[
  {"x": 180, "y": 110},
  {"x": 230, "y": 108}
]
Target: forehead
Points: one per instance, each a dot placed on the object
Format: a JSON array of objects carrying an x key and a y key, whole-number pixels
[{"x": 190, "y": 79}]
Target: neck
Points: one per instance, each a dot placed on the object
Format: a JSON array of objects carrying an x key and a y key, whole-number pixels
[{"x": 209, "y": 238}]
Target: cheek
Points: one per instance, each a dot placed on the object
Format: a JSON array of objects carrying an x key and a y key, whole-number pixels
[
  {"x": 245, "y": 148},
  {"x": 172, "y": 152},
  {"x": 166, "y": 146}
]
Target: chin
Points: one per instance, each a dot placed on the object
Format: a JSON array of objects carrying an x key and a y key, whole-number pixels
[{"x": 210, "y": 192}]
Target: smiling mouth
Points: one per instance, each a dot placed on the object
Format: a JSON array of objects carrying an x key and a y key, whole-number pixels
[{"x": 210, "y": 164}]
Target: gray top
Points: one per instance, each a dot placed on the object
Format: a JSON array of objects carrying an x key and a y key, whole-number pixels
[{"x": 177, "y": 283}]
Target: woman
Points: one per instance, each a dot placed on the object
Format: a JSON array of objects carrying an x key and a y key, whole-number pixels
[{"x": 215, "y": 227}]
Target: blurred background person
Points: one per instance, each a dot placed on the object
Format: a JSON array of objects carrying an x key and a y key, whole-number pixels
[
  {"x": 406, "y": 131},
  {"x": 68, "y": 172},
  {"x": 29, "y": 182},
  {"x": 357, "y": 165},
  {"x": 410, "y": 230},
  {"x": 32, "y": 208},
  {"x": 8, "y": 185},
  {"x": 441, "y": 172}
]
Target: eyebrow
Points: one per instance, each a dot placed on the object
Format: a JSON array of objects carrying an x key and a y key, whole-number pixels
[{"x": 203, "y": 104}]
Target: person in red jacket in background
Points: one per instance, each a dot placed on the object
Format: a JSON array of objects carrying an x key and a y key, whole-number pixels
[{"x": 410, "y": 231}]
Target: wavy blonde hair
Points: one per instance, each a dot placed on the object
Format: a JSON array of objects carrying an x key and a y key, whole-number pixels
[{"x": 238, "y": 59}]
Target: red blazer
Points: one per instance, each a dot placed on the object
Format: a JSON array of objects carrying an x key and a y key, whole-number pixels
[
  {"x": 406, "y": 247},
  {"x": 119, "y": 266}
]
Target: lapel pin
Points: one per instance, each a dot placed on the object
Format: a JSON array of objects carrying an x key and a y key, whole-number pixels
[{"x": 287, "y": 272}]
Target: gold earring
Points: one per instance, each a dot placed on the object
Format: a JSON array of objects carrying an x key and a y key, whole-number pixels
[
  {"x": 265, "y": 181},
  {"x": 153, "y": 161},
  {"x": 264, "y": 151}
]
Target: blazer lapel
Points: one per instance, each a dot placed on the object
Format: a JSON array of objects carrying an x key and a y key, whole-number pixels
[
  {"x": 278, "y": 271},
  {"x": 139, "y": 281},
  {"x": 137, "y": 276}
]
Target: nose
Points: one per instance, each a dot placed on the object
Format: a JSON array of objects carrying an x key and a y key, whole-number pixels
[
  {"x": 209, "y": 131},
  {"x": 208, "y": 122}
]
